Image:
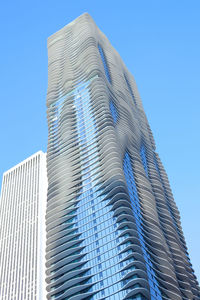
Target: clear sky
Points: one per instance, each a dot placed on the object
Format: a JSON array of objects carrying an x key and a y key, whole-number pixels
[{"x": 159, "y": 42}]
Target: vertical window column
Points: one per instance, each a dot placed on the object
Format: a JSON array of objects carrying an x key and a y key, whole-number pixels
[
  {"x": 104, "y": 61},
  {"x": 135, "y": 203}
]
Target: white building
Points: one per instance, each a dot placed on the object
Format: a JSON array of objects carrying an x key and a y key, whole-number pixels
[{"x": 22, "y": 230}]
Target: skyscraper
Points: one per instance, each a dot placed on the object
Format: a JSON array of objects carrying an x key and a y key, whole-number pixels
[
  {"x": 22, "y": 230},
  {"x": 113, "y": 228}
]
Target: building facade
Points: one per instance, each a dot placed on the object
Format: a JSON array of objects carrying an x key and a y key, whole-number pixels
[
  {"x": 22, "y": 230},
  {"x": 113, "y": 228}
]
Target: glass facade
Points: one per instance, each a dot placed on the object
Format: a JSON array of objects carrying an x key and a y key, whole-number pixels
[
  {"x": 103, "y": 58},
  {"x": 110, "y": 218},
  {"x": 135, "y": 203},
  {"x": 144, "y": 159},
  {"x": 130, "y": 89},
  {"x": 113, "y": 111},
  {"x": 165, "y": 193},
  {"x": 96, "y": 238}
]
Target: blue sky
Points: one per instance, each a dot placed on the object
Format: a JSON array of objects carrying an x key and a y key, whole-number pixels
[{"x": 160, "y": 43}]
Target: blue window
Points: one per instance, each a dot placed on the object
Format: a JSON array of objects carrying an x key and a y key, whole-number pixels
[
  {"x": 103, "y": 58},
  {"x": 130, "y": 89},
  {"x": 94, "y": 220},
  {"x": 165, "y": 194},
  {"x": 135, "y": 203},
  {"x": 144, "y": 158},
  {"x": 113, "y": 111}
]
